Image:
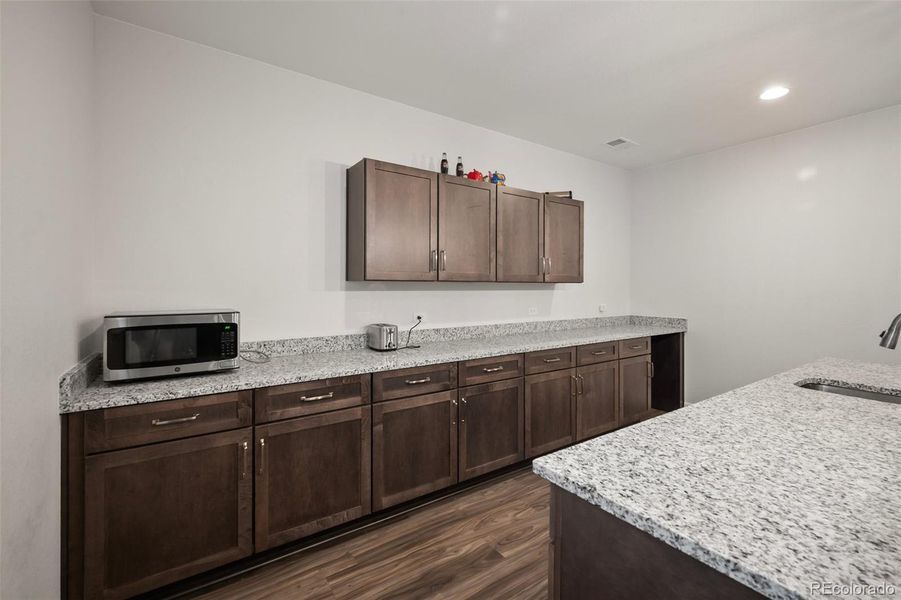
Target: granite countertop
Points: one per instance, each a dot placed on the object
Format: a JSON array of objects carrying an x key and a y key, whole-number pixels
[
  {"x": 774, "y": 485},
  {"x": 323, "y": 365}
]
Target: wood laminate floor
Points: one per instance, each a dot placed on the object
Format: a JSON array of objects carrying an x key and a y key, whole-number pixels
[{"x": 489, "y": 542}]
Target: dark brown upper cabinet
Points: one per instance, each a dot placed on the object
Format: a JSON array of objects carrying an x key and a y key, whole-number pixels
[
  {"x": 392, "y": 223},
  {"x": 520, "y": 235},
  {"x": 406, "y": 224},
  {"x": 563, "y": 239},
  {"x": 466, "y": 229}
]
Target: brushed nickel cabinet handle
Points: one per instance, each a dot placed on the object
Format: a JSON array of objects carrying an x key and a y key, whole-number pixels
[
  {"x": 417, "y": 381},
  {"x": 575, "y": 386},
  {"x": 650, "y": 369},
  {"x": 638, "y": 347},
  {"x": 493, "y": 369},
  {"x": 433, "y": 260},
  {"x": 548, "y": 265},
  {"x": 244, "y": 461},
  {"x": 444, "y": 260},
  {"x": 314, "y": 398},
  {"x": 157, "y": 422},
  {"x": 262, "y": 455},
  {"x": 541, "y": 265},
  {"x": 600, "y": 353},
  {"x": 552, "y": 360},
  {"x": 581, "y": 384}
]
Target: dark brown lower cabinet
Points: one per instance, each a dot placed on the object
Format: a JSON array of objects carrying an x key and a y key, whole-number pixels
[
  {"x": 312, "y": 473},
  {"x": 635, "y": 388},
  {"x": 414, "y": 447},
  {"x": 156, "y": 514},
  {"x": 594, "y": 554},
  {"x": 491, "y": 427},
  {"x": 550, "y": 420},
  {"x": 597, "y": 400}
]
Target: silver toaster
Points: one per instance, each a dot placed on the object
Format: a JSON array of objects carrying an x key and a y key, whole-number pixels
[{"x": 381, "y": 336}]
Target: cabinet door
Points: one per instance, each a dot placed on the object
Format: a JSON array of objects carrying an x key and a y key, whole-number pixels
[
  {"x": 466, "y": 229},
  {"x": 634, "y": 389},
  {"x": 414, "y": 447},
  {"x": 156, "y": 514},
  {"x": 401, "y": 222},
  {"x": 312, "y": 473},
  {"x": 491, "y": 427},
  {"x": 520, "y": 235},
  {"x": 563, "y": 239},
  {"x": 550, "y": 411},
  {"x": 597, "y": 400}
]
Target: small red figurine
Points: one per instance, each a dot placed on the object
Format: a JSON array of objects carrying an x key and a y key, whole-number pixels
[{"x": 475, "y": 175}]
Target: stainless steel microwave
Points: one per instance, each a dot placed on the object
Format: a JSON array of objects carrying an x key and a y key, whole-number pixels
[{"x": 157, "y": 344}]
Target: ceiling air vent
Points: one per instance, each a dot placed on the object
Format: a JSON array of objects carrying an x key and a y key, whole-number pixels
[{"x": 621, "y": 143}]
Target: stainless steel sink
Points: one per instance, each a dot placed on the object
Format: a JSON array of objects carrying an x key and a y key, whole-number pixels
[{"x": 846, "y": 391}]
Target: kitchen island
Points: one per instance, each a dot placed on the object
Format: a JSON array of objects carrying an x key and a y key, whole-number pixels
[{"x": 768, "y": 490}]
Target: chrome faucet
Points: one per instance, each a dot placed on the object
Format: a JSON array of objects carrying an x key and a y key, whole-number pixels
[{"x": 889, "y": 337}]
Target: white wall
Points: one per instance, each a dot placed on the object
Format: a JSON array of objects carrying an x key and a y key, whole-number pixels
[
  {"x": 222, "y": 183},
  {"x": 45, "y": 226},
  {"x": 778, "y": 251}
]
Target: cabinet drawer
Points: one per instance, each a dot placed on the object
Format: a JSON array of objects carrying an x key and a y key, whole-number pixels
[
  {"x": 635, "y": 347},
  {"x": 596, "y": 353},
  {"x": 412, "y": 382},
  {"x": 311, "y": 397},
  {"x": 550, "y": 360},
  {"x": 486, "y": 370},
  {"x": 126, "y": 426}
]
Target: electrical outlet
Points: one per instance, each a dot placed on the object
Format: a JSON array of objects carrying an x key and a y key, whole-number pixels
[
  {"x": 416, "y": 316},
  {"x": 602, "y": 308},
  {"x": 533, "y": 311}
]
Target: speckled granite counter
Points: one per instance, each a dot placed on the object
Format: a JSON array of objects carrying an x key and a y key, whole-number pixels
[
  {"x": 774, "y": 485},
  {"x": 321, "y": 365}
]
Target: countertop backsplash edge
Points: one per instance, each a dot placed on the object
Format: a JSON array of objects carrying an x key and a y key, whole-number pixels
[{"x": 76, "y": 380}]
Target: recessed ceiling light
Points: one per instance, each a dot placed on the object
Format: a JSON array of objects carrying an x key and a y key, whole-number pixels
[{"x": 771, "y": 93}]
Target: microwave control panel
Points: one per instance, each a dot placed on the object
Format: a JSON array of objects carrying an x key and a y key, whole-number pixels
[{"x": 228, "y": 340}]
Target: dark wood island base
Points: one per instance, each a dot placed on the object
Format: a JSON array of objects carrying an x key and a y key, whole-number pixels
[{"x": 595, "y": 555}]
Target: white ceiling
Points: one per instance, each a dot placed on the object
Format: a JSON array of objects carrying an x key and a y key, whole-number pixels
[{"x": 679, "y": 78}]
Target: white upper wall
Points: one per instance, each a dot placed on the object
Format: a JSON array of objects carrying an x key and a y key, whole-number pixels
[
  {"x": 46, "y": 163},
  {"x": 222, "y": 183},
  {"x": 778, "y": 251},
  {"x": 679, "y": 78}
]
